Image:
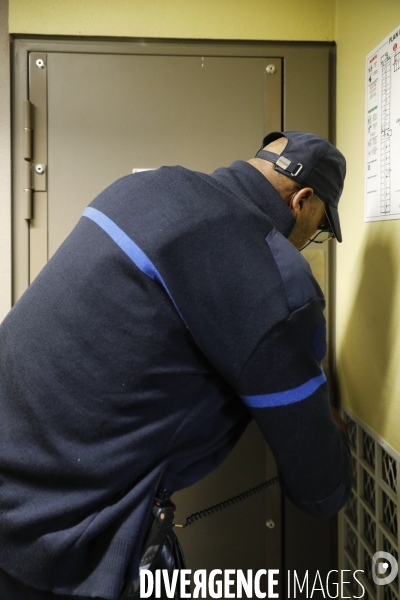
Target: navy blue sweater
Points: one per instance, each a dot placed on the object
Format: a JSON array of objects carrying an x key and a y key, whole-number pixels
[{"x": 174, "y": 312}]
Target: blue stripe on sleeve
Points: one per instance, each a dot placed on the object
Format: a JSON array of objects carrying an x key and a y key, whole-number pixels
[
  {"x": 128, "y": 246},
  {"x": 286, "y": 397}
]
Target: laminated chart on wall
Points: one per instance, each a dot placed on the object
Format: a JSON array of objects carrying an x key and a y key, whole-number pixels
[{"x": 382, "y": 135}]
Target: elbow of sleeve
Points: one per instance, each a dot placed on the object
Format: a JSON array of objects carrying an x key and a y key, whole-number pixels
[{"x": 329, "y": 505}]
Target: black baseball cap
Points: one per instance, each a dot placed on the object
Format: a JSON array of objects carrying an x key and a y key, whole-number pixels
[{"x": 313, "y": 162}]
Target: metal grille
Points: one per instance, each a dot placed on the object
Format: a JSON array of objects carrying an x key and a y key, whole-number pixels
[
  {"x": 355, "y": 474},
  {"x": 390, "y": 514},
  {"x": 389, "y": 471},
  {"x": 389, "y": 594},
  {"x": 352, "y": 543},
  {"x": 387, "y": 547},
  {"x": 352, "y": 588},
  {"x": 368, "y": 449},
  {"x": 369, "y": 530},
  {"x": 352, "y": 427},
  {"x": 369, "y": 521},
  {"x": 368, "y": 570},
  {"x": 351, "y": 508},
  {"x": 369, "y": 490}
]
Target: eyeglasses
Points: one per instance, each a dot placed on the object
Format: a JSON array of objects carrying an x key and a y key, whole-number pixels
[
  {"x": 326, "y": 228},
  {"x": 324, "y": 232}
]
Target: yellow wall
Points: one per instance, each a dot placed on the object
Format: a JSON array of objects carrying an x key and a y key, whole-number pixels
[
  {"x": 368, "y": 273},
  {"x": 219, "y": 19}
]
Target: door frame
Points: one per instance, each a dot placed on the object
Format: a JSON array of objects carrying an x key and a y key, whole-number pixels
[{"x": 5, "y": 164}]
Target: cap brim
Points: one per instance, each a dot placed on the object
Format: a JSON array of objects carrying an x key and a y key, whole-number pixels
[{"x": 333, "y": 215}]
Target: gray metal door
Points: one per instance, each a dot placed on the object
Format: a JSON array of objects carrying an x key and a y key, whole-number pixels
[{"x": 97, "y": 111}]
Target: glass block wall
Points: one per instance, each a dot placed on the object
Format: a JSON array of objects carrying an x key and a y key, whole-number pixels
[{"x": 369, "y": 521}]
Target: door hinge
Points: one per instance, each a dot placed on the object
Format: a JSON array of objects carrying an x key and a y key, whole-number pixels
[
  {"x": 27, "y": 156},
  {"x": 34, "y": 175}
]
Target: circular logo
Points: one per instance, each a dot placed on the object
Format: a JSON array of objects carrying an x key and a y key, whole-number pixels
[{"x": 381, "y": 574}]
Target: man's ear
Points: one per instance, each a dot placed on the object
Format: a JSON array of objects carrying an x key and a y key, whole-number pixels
[{"x": 300, "y": 201}]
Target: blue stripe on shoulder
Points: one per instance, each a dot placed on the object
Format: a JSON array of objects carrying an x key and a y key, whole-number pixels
[
  {"x": 128, "y": 246},
  {"x": 288, "y": 396}
]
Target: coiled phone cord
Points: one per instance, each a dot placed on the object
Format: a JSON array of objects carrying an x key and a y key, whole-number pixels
[{"x": 226, "y": 503}]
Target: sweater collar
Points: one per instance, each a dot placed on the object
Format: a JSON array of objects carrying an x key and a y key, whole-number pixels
[{"x": 246, "y": 181}]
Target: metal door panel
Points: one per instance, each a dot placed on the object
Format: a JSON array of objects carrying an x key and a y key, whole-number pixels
[
  {"x": 108, "y": 114},
  {"x": 237, "y": 537}
]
